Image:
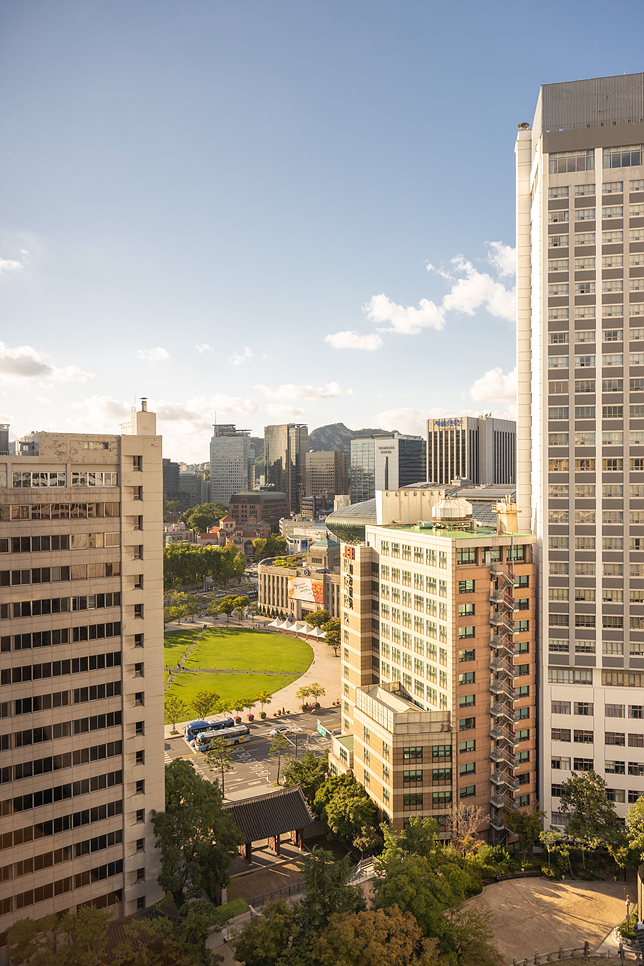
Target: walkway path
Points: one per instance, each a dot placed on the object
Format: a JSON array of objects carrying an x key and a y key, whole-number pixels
[{"x": 541, "y": 914}]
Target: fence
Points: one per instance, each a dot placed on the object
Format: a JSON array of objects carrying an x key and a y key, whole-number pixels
[
  {"x": 292, "y": 890},
  {"x": 578, "y": 952}
]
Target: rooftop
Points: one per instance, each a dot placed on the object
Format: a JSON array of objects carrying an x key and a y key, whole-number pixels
[{"x": 433, "y": 531}]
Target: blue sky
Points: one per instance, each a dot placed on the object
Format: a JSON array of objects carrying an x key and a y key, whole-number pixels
[{"x": 271, "y": 211}]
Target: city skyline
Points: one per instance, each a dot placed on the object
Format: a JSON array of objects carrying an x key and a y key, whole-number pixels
[{"x": 162, "y": 161}]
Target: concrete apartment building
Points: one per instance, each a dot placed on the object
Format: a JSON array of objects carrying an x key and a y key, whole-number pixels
[
  {"x": 482, "y": 450},
  {"x": 438, "y": 660},
  {"x": 229, "y": 457},
  {"x": 580, "y": 327},
  {"x": 285, "y": 449},
  {"x": 81, "y": 674},
  {"x": 385, "y": 461}
]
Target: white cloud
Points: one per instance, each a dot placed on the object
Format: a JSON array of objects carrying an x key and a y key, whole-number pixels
[
  {"x": 289, "y": 391},
  {"x": 351, "y": 340},
  {"x": 237, "y": 359},
  {"x": 404, "y": 319},
  {"x": 9, "y": 265},
  {"x": 203, "y": 347},
  {"x": 503, "y": 258},
  {"x": 284, "y": 412},
  {"x": 24, "y": 362},
  {"x": 221, "y": 403},
  {"x": 99, "y": 414},
  {"x": 153, "y": 355},
  {"x": 495, "y": 386}
]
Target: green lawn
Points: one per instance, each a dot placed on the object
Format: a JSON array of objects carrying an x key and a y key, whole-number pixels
[
  {"x": 229, "y": 686},
  {"x": 176, "y": 643},
  {"x": 236, "y": 648}
]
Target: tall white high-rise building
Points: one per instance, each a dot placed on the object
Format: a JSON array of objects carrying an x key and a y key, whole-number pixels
[
  {"x": 580, "y": 237},
  {"x": 228, "y": 462}
]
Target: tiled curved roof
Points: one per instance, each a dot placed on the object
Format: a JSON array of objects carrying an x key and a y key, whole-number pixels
[{"x": 270, "y": 814}]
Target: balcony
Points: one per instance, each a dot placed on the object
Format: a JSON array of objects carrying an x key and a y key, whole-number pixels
[
  {"x": 501, "y": 687},
  {"x": 503, "y": 800},
  {"x": 504, "y": 778},
  {"x": 502, "y": 640},
  {"x": 501, "y": 710},
  {"x": 499, "y": 733},
  {"x": 501, "y": 619},
  {"x": 502, "y": 755},
  {"x": 501, "y": 597},
  {"x": 501, "y": 665},
  {"x": 498, "y": 570},
  {"x": 497, "y": 823}
]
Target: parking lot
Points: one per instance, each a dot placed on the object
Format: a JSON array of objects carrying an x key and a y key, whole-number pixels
[{"x": 254, "y": 769}]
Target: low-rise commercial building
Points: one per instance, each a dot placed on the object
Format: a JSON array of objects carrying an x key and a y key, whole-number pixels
[
  {"x": 267, "y": 506},
  {"x": 297, "y": 591}
]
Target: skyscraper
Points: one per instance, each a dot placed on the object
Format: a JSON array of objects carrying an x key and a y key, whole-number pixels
[
  {"x": 580, "y": 238},
  {"x": 385, "y": 461},
  {"x": 480, "y": 449},
  {"x": 285, "y": 449},
  {"x": 228, "y": 462},
  {"x": 81, "y": 671}
]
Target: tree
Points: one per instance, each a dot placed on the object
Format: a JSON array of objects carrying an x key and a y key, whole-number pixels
[
  {"x": 345, "y": 807},
  {"x": 272, "y": 547},
  {"x": 635, "y": 827},
  {"x": 240, "y": 604},
  {"x": 462, "y": 822},
  {"x": 333, "y": 634},
  {"x": 327, "y": 890},
  {"x": 554, "y": 842},
  {"x": 526, "y": 825},
  {"x": 197, "y": 838},
  {"x": 171, "y": 506},
  {"x": 371, "y": 938},
  {"x": 201, "y": 518},
  {"x": 175, "y": 710},
  {"x": 225, "y": 606},
  {"x": 263, "y": 940},
  {"x": 76, "y": 939},
  {"x": 419, "y": 838},
  {"x": 317, "y": 618},
  {"x": 219, "y": 758},
  {"x": 205, "y": 702},
  {"x": 308, "y": 772},
  {"x": 279, "y": 746},
  {"x": 263, "y": 698},
  {"x": 593, "y": 819}
]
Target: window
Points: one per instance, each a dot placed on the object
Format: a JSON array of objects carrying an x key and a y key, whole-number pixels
[
  {"x": 613, "y": 211},
  {"x": 561, "y": 215},
  {"x": 570, "y": 675},
  {"x": 585, "y": 288},
  {"x": 585, "y": 465},
  {"x": 584, "y": 708},
  {"x": 558, "y": 490},
  {"x": 140, "y": 757},
  {"x": 140, "y": 815},
  {"x": 467, "y": 700},
  {"x": 559, "y": 288},
  {"x": 560, "y": 707},
  {"x": 560, "y": 734},
  {"x": 584, "y": 412},
  {"x": 140, "y": 875},
  {"x": 622, "y": 157},
  {"x": 612, "y": 237},
  {"x": 560, "y": 764},
  {"x": 559, "y": 412},
  {"x": 561, "y": 162},
  {"x": 557, "y": 439},
  {"x": 583, "y": 764},
  {"x": 582, "y": 362},
  {"x": 557, "y": 465},
  {"x": 139, "y": 728},
  {"x": 140, "y": 786},
  {"x": 613, "y": 465},
  {"x": 558, "y": 192},
  {"x": 412, "y": 777},
  {"x": 614, "y": 359},
  {"x": 138, "y": 611},
  {"x": 466, "y": 746},
  {"x": 466, "y": 724},
  {"x": 583, "y": 737},
  {"x": 467, "y": 556},
  {"x": 466, "y": 678}
]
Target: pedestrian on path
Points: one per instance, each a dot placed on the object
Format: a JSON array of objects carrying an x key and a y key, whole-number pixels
[{"x": 628, "y": 908}]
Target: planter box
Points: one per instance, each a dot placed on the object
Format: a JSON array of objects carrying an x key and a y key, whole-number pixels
[
  {"x": 237, "y": 719},
  {"x": 262, "y": 714},
  {"x": 251, "y": 717}
]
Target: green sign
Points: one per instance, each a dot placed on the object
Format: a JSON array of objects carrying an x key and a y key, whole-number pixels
[{"x": 322, "y": 730}]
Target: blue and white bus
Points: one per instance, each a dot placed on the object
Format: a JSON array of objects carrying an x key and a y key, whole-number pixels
[
  {"x": 232, "y": 736},
  {"x": 194, "y": 727}
]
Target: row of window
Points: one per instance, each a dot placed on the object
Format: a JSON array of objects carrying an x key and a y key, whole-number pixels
[
  {"x": 64, "y": 823},
  {"x": 60, "y": 793},
  {"x": 559, "y": 387},
  {"x": 609, "y": 187},
  {"x": 54, "y": 575},
  {"x": 562, "y": 215},
  {"x": 79, "y": 478},
  {"x": 64, "y": 635},
  {"x": 588, "y": 517},
  {"x": 587, "y": 437},
  {"x": 612, "y": 237},
  {"x": 62, "y": 729},
  {"x": 615, "y": 679},
  {"x": 58, "y": 511},
  {"x": 589, "y": 543},
  {"x": 24, "y": 899},
  {"x": 560, "y": 162},
  {"x": 59, "y": 699},
  {"x": 610, "y": 767},
  {"x": 617, "y": 795},
  {"x": 433, "y": 558},
  {"x": 77, "y": 665},
  {"x": 587, "y": 737},
  {"x": 588, "y": 263},
  {"x": 589, "y": 362},
  {"x": 59, "y": 605},
  {"x": 589, "y": 335},
  {"x": 587, "y": 491},
  {"x": 613, "y": 648},
  {"x": 587, "y": 708},
  {"x": 47, "y": 860},
  {"x": 588, "y": 464},
  {"x": 560, "y": 568},
  {"x": 588, "y": 412},
  {"x": 62, "y": 541},
  {"x": 68, "y": 759}
]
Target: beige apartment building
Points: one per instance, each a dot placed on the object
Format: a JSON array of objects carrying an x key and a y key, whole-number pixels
[
  {"x": 438, "y": 661},
  {"x": 81, "y": 672}
]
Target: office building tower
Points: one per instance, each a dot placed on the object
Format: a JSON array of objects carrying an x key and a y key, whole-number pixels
[
  {"x": 285, "y": 449},
  {"x": 193, "y": 490},
  {"x": 580, "y": 238},
  {"x": 229, "y": 448},
  {"x": 81, "y": 672},
  {"x": 482, "y": 450},
  {"x": 438, "y": 660},
  {"x": 4, "y": 439},
  {"x": 385, "y": 461},
  {"x": 326, "y": 472},
  {"x": 171, "y": 489}
]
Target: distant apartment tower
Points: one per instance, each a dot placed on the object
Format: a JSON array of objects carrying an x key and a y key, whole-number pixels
[
  {"x": 438, "y": 660},
  {"x": 385, "y": 461},
  {"x": 326, "y": 472},
  {"x": 171, "y": 489},
  {"x": 482, "y": 450},
  {"x": 580, "y": 328},
  {"x": 81, "y": 672},
  {"x": 4, "y": 439},
  {"x": 229, "y": 448},
  {"x": 285, "y": 449},
  {"x": 193, "y": 490}
]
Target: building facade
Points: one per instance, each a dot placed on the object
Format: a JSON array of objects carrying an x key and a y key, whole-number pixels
[
  {"x": 171, "y": 488},
  {"x": 267, "y": 506},
  {"x": 438, "y": 665},
  {"x": 385, "y": 462},
  {"x": 229, "y": 456},
  {"x": 298, "y": 591},
  {"x": 194, "y": 490},
  {"x": 81, "y": 674},
  {"x": 482, "y": 450},
  {"x": 285, "y": 449},
  {"x": 326, "y": 472},
  {"x": 580, "y": 326}
]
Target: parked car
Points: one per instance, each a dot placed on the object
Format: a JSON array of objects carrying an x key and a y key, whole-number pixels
[{"x": 280, "y": 730}]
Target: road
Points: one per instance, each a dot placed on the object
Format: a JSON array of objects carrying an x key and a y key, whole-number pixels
[{"x": 253, "y": 765}]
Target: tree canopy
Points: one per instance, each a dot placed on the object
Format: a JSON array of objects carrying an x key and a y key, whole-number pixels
[
  {"x": 201, "y": 518},
  {"x": 196, "y": 837},
  {"x": 185, "y": 565},
  {"x": 592, "y": 818},
  {"x": 273, "y": 546}
]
